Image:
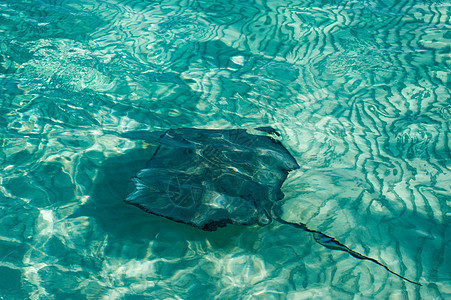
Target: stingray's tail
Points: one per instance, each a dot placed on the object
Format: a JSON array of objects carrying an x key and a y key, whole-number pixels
[{"x": 333, "y": 244}]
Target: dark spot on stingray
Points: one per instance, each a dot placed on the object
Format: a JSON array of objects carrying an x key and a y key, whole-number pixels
[{"x": 198, "y": 177}]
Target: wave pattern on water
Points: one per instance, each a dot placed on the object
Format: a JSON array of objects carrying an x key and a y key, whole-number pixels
[{"x": 360, "y": 91}]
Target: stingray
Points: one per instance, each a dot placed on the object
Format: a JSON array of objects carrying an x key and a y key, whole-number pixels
[{"x": 210, "y": 178}]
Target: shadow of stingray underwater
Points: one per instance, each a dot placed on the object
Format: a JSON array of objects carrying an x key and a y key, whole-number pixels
[{"x": 209, "y": 178}]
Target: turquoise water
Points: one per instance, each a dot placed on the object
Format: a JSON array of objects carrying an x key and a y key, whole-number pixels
[{"x": 359, "y": 90}]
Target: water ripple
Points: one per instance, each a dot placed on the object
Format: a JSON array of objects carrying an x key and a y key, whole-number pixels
[{"x": 358, "y": 89}]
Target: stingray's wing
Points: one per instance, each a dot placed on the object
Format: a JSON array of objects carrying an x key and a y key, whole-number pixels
[{"x": 210, "y": 178}]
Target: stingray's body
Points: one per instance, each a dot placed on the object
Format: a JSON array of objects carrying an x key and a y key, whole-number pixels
[{"x": 210, "y": 178}]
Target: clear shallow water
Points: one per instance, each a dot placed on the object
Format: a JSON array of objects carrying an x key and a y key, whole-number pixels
[{"x": 360, "y": 91}]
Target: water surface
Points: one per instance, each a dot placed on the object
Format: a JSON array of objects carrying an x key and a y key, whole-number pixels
[{"x": 360, "y": 91}]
